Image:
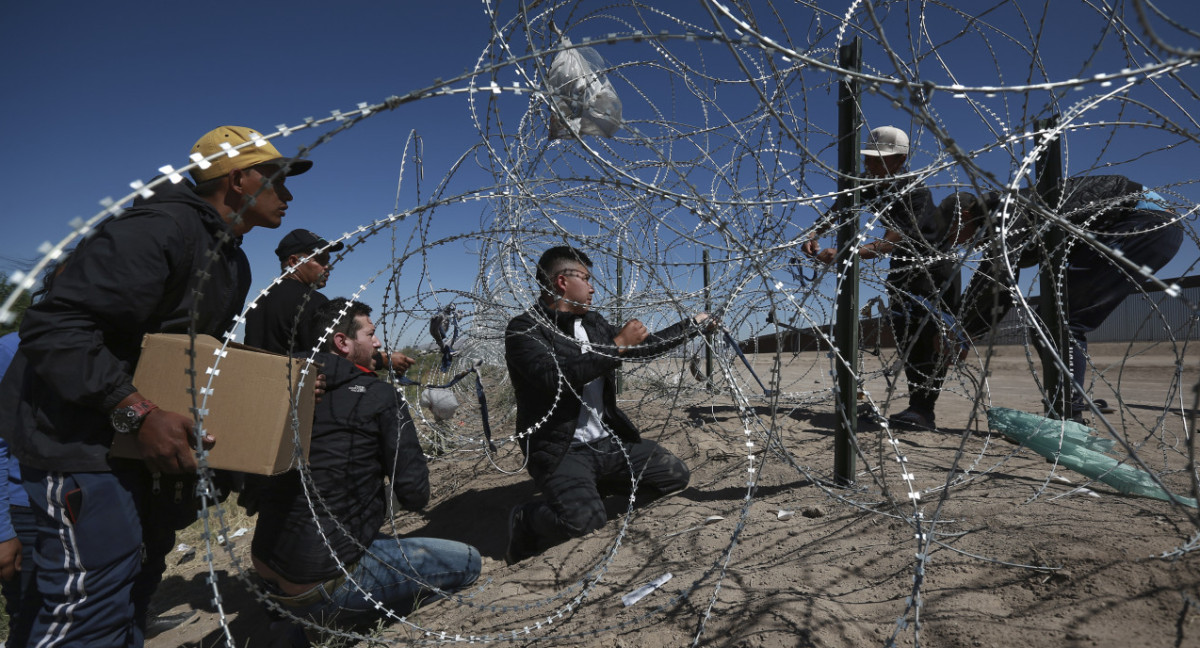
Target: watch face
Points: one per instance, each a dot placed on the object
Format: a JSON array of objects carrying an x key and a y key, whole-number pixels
[
  {"x": 127, "y": 420},
  {"x": 123, "y": 420}
]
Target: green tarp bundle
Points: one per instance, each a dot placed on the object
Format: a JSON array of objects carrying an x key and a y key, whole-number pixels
[{"x": 1074, "y": 446}]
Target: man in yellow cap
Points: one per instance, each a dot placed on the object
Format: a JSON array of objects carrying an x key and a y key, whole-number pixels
[{"x": 172, "y": 263}]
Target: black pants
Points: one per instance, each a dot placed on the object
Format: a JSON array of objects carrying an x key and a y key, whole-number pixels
[
  {"x": 928, "y": 338},
  {"x": 575, "y": 491},
  {"x": 21, "y": 598},
  {"x": 1096, "y": 285}
]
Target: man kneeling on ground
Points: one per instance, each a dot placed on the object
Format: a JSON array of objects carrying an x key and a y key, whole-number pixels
[
  {"x": 562, "y": 358},
  {"x": 362, "y": 433}
]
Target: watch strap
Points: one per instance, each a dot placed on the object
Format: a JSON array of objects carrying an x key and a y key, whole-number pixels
[
  {"x": 143, "y": 408},
  {"x": 128, "y": 419}
]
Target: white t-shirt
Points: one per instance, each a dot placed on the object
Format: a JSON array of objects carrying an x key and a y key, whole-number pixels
[{"x": 588, "y": 426}]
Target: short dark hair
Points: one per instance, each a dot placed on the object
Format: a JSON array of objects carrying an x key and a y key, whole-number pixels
[
  {"x": 553, "y": 260},
  {"x": 956, "y": 203},
  {"x": 330, "y": 316},
  {"x": 208, "y": 187}
]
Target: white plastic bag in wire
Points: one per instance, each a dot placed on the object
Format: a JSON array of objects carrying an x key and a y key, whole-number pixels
[
  {"x": 441, "y": 402},
  {"x": 582, "y": 94}
]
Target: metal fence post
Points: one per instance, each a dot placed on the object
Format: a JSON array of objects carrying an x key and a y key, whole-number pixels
[
  {"x": 708, "y": 337},
  {"x": 845, "y": 333},
  {"x": 620, "y": 381},
  {"x": 1053, "y": 282}
]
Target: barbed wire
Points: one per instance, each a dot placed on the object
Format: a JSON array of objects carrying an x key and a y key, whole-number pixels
[{"x": 725, "y": 151}]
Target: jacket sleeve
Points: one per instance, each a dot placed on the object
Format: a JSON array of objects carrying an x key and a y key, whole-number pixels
[
  {"x": 6, "y": 528},
  {"x": 986, "y": 301},
  {"x": 403, "y": 460},
  {"x": 110, "y": 287},
  {"x": 529, "y": 351},
  {"x": 662, "y": 341}
]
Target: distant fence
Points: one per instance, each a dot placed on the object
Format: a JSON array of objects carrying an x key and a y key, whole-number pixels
[{"x": 1134, "y": 320}]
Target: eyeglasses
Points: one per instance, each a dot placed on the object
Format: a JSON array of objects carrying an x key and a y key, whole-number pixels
[{"x": 586, "y": 276}]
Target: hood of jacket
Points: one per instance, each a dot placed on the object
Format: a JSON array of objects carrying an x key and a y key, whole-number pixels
[{"x": 172, "y": 194}]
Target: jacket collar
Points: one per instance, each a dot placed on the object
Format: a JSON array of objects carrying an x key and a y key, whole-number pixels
[{"x": 563, "y": 320}]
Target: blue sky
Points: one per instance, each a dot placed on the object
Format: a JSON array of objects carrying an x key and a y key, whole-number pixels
[{"x": 101, "y": 94}]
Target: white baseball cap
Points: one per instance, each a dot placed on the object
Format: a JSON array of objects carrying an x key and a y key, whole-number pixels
[{"x": 886, "y": 140}]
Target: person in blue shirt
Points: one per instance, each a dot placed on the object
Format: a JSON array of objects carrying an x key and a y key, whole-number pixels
[{"x": 17, "y": 532}]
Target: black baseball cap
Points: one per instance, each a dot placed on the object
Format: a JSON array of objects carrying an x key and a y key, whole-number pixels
[{"x": 302, "y": 241}]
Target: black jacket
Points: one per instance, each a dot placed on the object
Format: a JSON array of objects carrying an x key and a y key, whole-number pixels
[
  {"x": 1094, "y": 203},
  {"x": 548, "y": 370},
  {"x": 136, "y": 274},
  {"x": 288, "y": 306},
  {"x": 362, "y": 433},
  {"x": 920, "y": 263}
]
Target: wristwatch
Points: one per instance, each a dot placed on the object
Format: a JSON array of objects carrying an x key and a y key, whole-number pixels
[{"x": 127, "y": 420}]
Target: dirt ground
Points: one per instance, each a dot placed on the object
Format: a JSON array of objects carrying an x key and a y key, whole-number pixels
[{"x": 946, "y": 539}]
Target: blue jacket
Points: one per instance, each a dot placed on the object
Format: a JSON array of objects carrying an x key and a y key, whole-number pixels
[{"x": 11, "y": 491}]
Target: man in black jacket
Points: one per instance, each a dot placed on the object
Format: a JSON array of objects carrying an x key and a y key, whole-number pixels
[
  {"x": 284, "y": 319},
  {"x": 317, "y": 543},
  {"x": 1118, "y": 212},
  {"x": 172, "y": 263},
  {"x": 562, "y": 358},
  {"x": 923, "y": 282}
]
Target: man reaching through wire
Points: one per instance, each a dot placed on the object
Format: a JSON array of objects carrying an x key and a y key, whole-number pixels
[{"x": 562, "y": 358}]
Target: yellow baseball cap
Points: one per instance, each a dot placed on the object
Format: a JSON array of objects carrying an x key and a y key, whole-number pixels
[{"x": 226, "y": 139}]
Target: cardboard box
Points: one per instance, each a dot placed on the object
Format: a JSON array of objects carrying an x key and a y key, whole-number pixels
[{"x": 248, "y": 411}]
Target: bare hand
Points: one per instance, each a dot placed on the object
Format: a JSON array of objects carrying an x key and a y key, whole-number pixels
[
  {"x": 400, "y": 362},
  {"x": 811, "y": 246},
  {"x": 165, "y": 441},
  {"x": 827, "y": 255},
  {"x": 10, "y": 559},
  {"x": 706, "y": 322},
  {"x": 632, "y": 334},
  {"x": 318, "y": 387}
]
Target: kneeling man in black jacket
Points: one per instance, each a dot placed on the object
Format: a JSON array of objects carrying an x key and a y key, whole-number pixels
[
  {"x": 562, "y": 358},
  {"x": 318, "y": 542}
]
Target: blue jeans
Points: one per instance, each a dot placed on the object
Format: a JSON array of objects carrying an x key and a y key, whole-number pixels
[{"x": 398, "y": 573}]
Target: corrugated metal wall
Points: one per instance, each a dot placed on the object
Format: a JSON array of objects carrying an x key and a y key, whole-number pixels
[{"x": 1135, "y": 319}]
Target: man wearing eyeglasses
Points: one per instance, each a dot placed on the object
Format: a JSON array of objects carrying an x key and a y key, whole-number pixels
[
  {"x": 562, "y": 358},
  {"x": 172, "y": 263}
]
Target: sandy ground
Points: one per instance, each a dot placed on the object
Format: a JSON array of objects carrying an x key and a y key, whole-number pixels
[{"x": 983, "y": 544}]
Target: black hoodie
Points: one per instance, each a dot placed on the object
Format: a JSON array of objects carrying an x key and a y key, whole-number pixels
[
  {"x": 362, "y": 433},
  {"x": 136, "y": 274}
]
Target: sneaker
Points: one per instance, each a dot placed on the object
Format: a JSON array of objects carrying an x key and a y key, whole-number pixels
[
  {"x": 913, "y": 419},
  {"x": 1081, "y": 413},
  {"x": 521, "y": 542}
]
